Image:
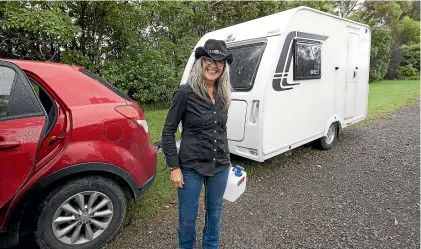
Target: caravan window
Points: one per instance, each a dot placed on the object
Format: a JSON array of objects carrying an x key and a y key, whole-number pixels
[
  {"x": 307, "y": 60},
  {"x": 244, "y": 67}
]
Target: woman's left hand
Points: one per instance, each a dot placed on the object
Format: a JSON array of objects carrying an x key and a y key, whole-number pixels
[{"x": 176, "y": 178}]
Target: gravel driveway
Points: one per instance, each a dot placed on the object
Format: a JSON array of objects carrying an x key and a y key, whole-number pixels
[{"x": 364, "y": 193}]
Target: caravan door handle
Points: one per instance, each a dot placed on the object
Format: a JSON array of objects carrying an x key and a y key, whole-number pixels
[
  {"x": 254, "y": 112},
  {"x": 355, "y": 72}
]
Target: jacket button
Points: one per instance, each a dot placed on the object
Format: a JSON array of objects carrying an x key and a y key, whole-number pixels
[
  {"x": 214, "y": 131},
  {"x": 214, "y": 112},
  {"x": 215, "y": 121}
]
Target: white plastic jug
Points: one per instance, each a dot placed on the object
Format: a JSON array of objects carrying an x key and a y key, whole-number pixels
[{"x": 236, "y": 183}]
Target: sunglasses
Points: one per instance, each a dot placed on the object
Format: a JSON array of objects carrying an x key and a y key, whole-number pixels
[{"x": 209, "y": 61}]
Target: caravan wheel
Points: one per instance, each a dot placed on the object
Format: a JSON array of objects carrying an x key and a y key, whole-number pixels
[{"x": 329, "y": 140}]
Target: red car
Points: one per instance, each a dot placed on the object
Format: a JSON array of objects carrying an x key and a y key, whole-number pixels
[{"x": 71, "y": 146}]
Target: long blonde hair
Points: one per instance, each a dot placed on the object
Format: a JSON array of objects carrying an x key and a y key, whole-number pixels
[{"x": 222, "y": 84}]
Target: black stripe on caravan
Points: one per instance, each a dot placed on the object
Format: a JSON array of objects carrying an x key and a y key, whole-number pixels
[{"x": 280, "y": 83}]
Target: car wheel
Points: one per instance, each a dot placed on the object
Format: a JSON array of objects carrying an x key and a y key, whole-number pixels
[
  {"x": 329, "y": 140},
  {"x": 84, "y": 213}
]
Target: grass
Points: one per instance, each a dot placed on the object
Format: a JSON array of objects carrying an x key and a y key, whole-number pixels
[
  {"x": 389, "y": 96},
  {"x": 385, "y": 97}
]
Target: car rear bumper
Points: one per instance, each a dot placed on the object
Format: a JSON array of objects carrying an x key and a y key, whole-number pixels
[{"x": 141, "y": 190}]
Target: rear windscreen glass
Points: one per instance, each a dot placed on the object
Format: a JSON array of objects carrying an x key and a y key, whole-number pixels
[
  {"x": 107, "y": 84},
  {"x": 244, "y": 67}
]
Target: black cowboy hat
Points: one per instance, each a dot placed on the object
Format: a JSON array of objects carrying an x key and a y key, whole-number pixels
[{"x": 215, "y": 49}]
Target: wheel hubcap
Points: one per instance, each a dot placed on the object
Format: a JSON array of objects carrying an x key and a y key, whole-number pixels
[
  {"x": 330, "y": 134},
  {"x": 82, "y": 217}
]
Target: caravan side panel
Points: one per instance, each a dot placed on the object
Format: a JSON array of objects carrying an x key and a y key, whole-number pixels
[{"x": 297, "y": 111}]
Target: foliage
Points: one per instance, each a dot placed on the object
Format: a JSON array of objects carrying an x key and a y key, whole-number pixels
[
  {"x": 345, "y": 8},
  {"x": 380, "y": 52},
  {"x": 411, "y": 55},
  {"x": 379, "y": 13},
  {"x": 410, "y": 9},
  {"x": 325, "y": 6},
  {"x": 408, "y": 73},
  {"x": 396, "y": 17},
  {"x": 74, "y": 57},
  {"x": 143, "y": 46},
  {"x": 34, "y": 30},
  {"x": 107, "y": 28},
  {"x": 137, "y": 71},
  {"x": 408, "y": 30}
]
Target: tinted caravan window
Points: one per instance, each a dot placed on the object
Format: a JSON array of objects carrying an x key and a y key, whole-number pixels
[
  {"x": 307, "y": 60},
  {"x": 244, "y": 67}
]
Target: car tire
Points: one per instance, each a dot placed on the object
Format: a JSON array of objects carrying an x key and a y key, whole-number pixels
[
  {"x": 327, "y": 142},
  {"x": 96, "y": 226}
]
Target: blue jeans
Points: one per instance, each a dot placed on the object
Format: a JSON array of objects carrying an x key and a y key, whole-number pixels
[{"x": 188, "y": 206}]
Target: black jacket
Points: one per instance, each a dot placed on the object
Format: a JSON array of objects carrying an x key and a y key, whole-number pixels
[{"x": 204, "y": 144}]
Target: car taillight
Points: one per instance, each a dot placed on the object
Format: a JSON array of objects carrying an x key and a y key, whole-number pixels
[
  {"x": 143, "y": 123},
  {"x": 131, "y": 113}
]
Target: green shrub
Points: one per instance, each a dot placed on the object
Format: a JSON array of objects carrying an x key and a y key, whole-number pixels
[
  {"x": 408, "y": 72},
  {"x": 411, "y": 55},
  {"x": 144, "y": 71}
]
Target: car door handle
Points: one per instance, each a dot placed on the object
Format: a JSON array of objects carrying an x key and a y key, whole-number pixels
[{"x": 5, "y": 145}]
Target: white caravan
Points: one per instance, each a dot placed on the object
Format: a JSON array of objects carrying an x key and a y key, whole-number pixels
[{"x": 297, "y": 76}]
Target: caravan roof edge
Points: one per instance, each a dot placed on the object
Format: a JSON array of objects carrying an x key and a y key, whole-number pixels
[
  {"x": 286, "y": 16},
  {"x": 331, "y": 15}
]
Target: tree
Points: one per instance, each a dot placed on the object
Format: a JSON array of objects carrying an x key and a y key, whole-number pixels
[
  {"x": 380, "y": 55},
  {"x": 144, "y": 71},
  {"x": 379, "y": 14},
  {"x": 414, "y": 11},
  {"x": 34, "y": 30},
  {"x": 229, "y": 13},
  {"x": 411, "y": 56},
  {"x": 106, "y": 29},
  {"x": 408, "y": 30},
  {"x": 403, "y": 30},
  {"x": 410, "y": 9},
  {"x": 325, "y": 6},
  {"x": 144, "y": 46},
  {"x": 345, "y": 8}
]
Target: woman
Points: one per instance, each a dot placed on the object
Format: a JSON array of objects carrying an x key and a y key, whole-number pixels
[{"x": 202, "y": 107}]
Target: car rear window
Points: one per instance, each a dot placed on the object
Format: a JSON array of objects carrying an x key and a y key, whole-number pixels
[
  {"x": 107, "y": 84},
  {"x": 244, "y": 67}
]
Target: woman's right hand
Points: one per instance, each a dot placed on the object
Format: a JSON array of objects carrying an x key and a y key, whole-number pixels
[{"x": 176, "y": 178}]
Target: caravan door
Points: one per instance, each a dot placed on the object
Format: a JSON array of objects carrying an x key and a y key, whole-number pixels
[
  {"x": 351, "y": 75},
  {"x": 242, "y": 75}
]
